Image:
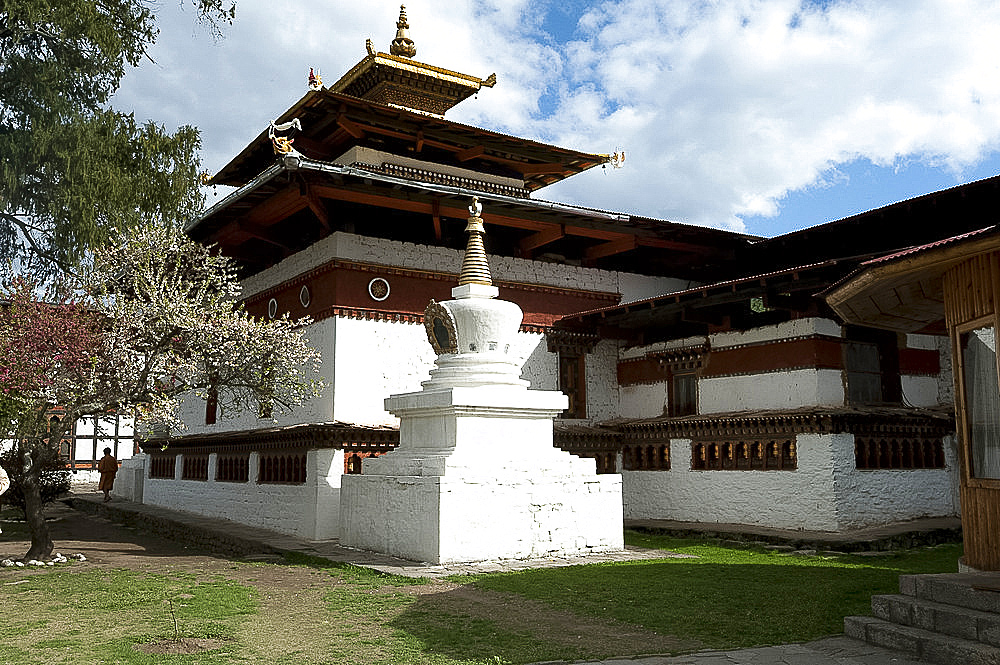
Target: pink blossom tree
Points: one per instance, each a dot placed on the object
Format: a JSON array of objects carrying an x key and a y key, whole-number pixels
[{"x": 155, "y": 317}]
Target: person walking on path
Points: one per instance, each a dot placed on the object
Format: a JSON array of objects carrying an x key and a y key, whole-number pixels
[{"x": 108, "y": 466}]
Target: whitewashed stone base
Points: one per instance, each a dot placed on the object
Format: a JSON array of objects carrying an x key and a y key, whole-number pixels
[
  {"x": 476, "y": 478},
  {"x": 130, "y": 479},
  {"x": 825, "y": 493},
  {"x": 309, "y": 510}
]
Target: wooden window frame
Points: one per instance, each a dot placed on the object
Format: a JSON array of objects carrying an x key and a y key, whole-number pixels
[
  {"x": 887, "y": 347},
  {"x": 958, "y": 370},
  {"x": 673, "y": 402},
  {"x": 577, "y": 394}
]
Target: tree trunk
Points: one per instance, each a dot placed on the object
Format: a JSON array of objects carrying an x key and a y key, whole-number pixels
[{"x": 41, "y": 542}]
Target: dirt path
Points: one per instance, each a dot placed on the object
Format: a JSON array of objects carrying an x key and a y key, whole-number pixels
[{"x": 292, "y": 595}]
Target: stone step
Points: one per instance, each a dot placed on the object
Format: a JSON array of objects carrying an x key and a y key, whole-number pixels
[
  {"x": 921, "y": 644},
  {"x": 951, "y": 620},
  {"x": 975, "y": 591}
]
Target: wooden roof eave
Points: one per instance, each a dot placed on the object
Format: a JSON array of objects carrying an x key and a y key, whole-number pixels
[
  {"x": 543, "y": 163},
  {"x": 848, "y": 297},
  {"x": 810, "y": 279},
  {"x": 547, "y": 221}
]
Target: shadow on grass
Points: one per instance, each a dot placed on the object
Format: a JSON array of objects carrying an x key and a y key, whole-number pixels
[{"x": 727, "y": 598}]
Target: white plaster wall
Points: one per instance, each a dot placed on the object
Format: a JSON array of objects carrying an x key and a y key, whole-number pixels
[
  {"x": 476, "y": 477},
  {"x": 424, "y": 257},
  {"x": 541, "y": 368},
  {"x": 310, "y": 510},
  {"x": 825, "y": 493},
  {"x": 776, "y": 390},
  {"x": 376, "y": 359},
  {"x": 946, "y": 380},
  {"x": 866, "y": 498},
  {"x": 321, "y": 336},
  {"x": 927, "y": 342},
  {"x": 919, "y": 390},
  {"x": 801, "y": 499},
  {"x": 683, "y": 343},
  {"x": 131, "y": 478},
  {"x": 603, "y": 401},
  {"x": 644, "y": 400},
  {"x": 785, "y": 330},
  {"x": 929, "y": 390}
]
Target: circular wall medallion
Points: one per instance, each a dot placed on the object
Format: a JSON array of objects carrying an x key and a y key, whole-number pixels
[
  {"x": 272, "y": 308},
  {"x": 304, "y": 296},
  {"x": 378, "y": 289}
]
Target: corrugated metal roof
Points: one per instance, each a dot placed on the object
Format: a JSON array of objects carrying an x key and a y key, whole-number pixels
[{"x": 917, "y": 249}]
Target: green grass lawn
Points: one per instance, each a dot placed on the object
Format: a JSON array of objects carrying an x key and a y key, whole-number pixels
[
  {"x": 305, "y": 612},
  {"x": 727, "y": 597}
]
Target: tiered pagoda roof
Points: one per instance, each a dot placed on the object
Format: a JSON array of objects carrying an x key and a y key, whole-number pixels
[{"x": 373, "y": 155}]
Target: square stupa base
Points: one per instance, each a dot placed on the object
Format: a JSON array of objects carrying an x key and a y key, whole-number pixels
[{"x": 476, "y": 478}]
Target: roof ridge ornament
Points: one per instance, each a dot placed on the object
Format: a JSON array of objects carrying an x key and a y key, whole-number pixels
[
  {"x": 402, "y": 45},
  {"x": 315, "y": 80}
]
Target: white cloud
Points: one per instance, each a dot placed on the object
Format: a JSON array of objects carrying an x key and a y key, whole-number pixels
[
  {"x": 741, "y": 102},
  {"x": 723, "y": 107}
]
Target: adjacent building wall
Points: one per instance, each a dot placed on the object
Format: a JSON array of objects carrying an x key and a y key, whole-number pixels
[
  {"x": 309, "y": 510},
  {"x": 825, "y": 493}
]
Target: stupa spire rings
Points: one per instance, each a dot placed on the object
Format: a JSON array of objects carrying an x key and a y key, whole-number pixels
[
  {"x": 475, "y": 267},
  {"x": 402, "y": 45}
]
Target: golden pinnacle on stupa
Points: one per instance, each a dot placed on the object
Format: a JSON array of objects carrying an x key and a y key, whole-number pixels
[{"x": 475, "y": 267}]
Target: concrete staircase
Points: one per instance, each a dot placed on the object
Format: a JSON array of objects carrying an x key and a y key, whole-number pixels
[{"x": 951, "y": 619}]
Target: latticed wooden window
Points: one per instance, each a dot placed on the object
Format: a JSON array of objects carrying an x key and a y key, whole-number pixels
[
  {"x": 573, "y": 382},
  {"x": 684, "y": 394},
  {"x": 754, "y": 455},
  {"x": 212, "y": 406},
  {"x": 162, "y": 466},
  {"x": 873, "y": 453},
  {"x": 232, "y": 468},
  {"x": 646, "y": 457},
  {"x": 194, "y": 467},
  {"x": 282, "y": 468}
]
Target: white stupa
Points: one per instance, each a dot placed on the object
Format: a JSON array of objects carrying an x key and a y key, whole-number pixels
[{"x": 475, "y": 476}]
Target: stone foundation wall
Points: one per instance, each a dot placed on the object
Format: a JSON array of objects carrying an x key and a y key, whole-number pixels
[
  {"x": 825, "y": 493},
  {"x": 309, "y": 510}
]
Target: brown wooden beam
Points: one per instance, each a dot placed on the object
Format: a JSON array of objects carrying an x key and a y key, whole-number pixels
[
  {"x": 318, "y": 209},
  {"x": 261, "y": 233},
  {"x": 423, "y": 207},
  {"x": 358, "y": 128},
  {"x": 470, "y": 153},
  {"x": 611, "y": 248},
  {"x": 541, "y": 239},
  {"x": 689, "y": 247},
  {"x": 436, "y": 218},
  {"x": 350, "y": 126},
  {"x": 539, "y": 169}
]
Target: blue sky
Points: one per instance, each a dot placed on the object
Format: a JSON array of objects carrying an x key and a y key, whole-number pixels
[{"x": 763, "y": 116}]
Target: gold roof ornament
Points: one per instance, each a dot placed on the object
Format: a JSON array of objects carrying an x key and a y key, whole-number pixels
[
  {"x": 315, "y": 80},
  {"x": 402, "y": 45},
  {"x": 396, "y": 79},
  {"x": 475, "y": 267}
]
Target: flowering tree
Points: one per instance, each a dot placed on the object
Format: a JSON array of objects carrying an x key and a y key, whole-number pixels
[{"x": 155, "y": 318}]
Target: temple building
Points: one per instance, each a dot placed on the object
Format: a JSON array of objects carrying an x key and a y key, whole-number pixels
[{"x": 704, "y": 366}]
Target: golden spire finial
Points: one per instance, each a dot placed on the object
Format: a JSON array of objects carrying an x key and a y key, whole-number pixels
[
  {"x": 402, "y": 44},
  {"x": 475, "y": 267}
]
